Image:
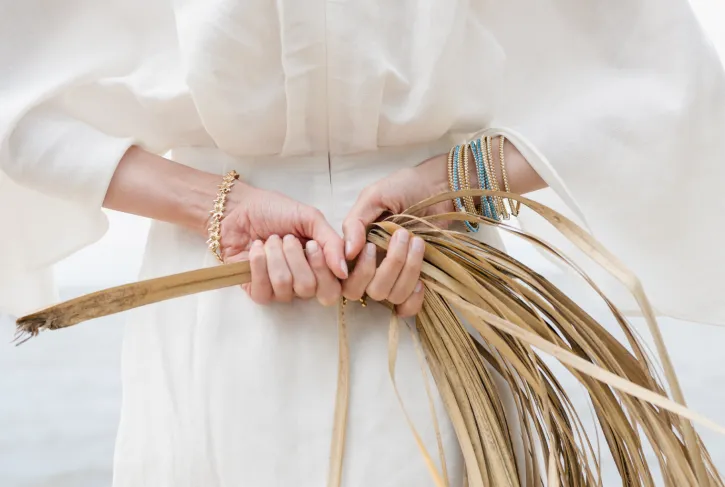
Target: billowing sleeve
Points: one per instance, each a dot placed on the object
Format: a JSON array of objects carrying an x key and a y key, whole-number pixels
[
  {"x": 80, "y": 82},
  {"x": 620, "y": 106}
]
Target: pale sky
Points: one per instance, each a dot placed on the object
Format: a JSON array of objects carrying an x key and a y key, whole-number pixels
[{"x": 117, "y": 257}]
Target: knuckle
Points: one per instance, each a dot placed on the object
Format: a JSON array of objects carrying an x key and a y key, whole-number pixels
[
  {"x": 281, "y": 279},
  {"x": 366, "y": 267},
  {"x": 305, "y": 288},
  {"x": 352, "y": 293},
  {"x": 317, "y": 261},
  {"x": 396, "y": 258},
  {"x": 256, "y": 257},
  {"x": 327, "y": 300},
  {"x": 260, "y": 298},
  {"x": 405, "y": 311},
  {"x": 376, "y": 294},
  {"x": 314, "y": 213},
  {"x": 370, "y": 192},
  {"x": 284, "y": 298},
  {"x": 330, "y": 296}
]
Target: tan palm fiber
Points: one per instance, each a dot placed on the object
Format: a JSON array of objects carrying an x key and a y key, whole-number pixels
[{"x": 518, "y": 315}]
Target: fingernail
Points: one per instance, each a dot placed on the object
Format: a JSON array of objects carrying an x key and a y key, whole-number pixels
[
  {"x": 257, "y": 243},
  {"x": 418, "y": 287},
  {"x": 418, "y": 245},
  {"x": 312, "y": 247},
  {"x": 370, "y": 250},
  {"x": 343, "y": 266},
  {"x": 348, "y": 248},
  {"x": 403, "y": 236},
  {"x": 287, "y": 238}
]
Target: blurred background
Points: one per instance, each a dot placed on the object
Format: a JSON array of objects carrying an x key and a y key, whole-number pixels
[{"x": 60, "y": 394}]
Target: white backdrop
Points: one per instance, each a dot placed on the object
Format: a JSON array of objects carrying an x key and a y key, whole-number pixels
[{"x": 60, "y": 395}]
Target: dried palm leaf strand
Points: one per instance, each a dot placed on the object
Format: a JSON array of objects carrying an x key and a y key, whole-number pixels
[
  {"x": 478, "y": 295},
  {"x": 610, "y": 263}
]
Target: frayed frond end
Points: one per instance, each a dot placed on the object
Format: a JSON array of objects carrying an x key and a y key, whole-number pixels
[{"x": 30, "y": 326}]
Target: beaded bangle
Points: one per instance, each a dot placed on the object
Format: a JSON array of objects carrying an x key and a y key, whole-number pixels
[
  {"x": 494, "y": 180},
  {"x": 489, "y": 210},
  {"x": 215, "y": 224},
  {"x": 458, "y": 177},
  {"x": 513, "y": 206},
  {"x": 468, "y": 202},
  {"x": 453, "y": 176}
]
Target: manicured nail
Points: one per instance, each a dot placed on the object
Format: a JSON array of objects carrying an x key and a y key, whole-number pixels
[
  {"x": 370, "y": 250},
  {"x": 343, "y": 266},
  {"x": 348, "y": 248},
  {"x": 402, "y": 236},
  {"x": 312, "y": 247},
  {"x": 418, "y": 245},
  {"x": 419, "y": 287}
]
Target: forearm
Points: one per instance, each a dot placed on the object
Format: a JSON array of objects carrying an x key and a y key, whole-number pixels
[{"x": 151, "y": 186}]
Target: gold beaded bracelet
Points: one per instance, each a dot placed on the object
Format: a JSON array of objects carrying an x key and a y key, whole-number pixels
[
  {"x": 468, "y": 201},
  {"x": 498, "y": 201},
  {"x": 514, "y": 207},
  {"x": 215, "y": 224}
]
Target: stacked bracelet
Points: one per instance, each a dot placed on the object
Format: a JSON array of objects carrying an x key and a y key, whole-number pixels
[
  {"x": 456, "y": 176},
  {"x": 492, "y": 207}
]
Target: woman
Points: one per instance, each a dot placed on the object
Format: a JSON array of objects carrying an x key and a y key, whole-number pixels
[{"x": 333, "y": 113}]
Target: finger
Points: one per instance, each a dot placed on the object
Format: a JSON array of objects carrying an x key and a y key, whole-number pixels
[
  {"x": 304, "y": 283},
  {"x": 328, "y": 286},
  {"x": 410, "y": 274},
  {"x": 260, "y": 290},
  {"x": 365, "y": 211},
  {"x": 354, "y": 286},
  {"x": 316, "y": 227},
  {"x": 412, "y": 305},
  {"x": 279, "y": 273},
  {"x": 391, "y": 266}
]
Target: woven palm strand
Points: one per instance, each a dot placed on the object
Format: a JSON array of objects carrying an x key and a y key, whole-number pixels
[{"x": 513, "y": 315}]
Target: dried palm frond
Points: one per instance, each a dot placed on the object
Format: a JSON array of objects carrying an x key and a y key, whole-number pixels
[{"x": 487, "y": 316}]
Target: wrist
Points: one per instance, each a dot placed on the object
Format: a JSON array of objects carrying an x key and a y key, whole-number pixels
[
  {"x": 204, "y": 203},
  {"x": 434, "y": 172}
]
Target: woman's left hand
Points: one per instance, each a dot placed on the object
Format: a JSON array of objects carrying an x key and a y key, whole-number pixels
[{"x": 397, "y": 277}]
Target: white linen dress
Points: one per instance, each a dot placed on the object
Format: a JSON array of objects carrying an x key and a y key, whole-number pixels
[{"x": 619, "y": 105}]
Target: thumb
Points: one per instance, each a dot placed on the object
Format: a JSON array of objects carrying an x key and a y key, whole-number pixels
[
  {"x": 231, "y": 258},
  {"x": 365, "y": 211},
  {"x": 316, "y": 227}
]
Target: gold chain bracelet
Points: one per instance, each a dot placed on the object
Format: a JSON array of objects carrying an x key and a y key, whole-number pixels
[{"x": 215, "y": 223}]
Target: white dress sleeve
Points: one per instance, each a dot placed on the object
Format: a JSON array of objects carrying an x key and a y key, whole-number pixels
[
  {"x": 621, "y": 108},
  {"x": 76, "y": 91}
]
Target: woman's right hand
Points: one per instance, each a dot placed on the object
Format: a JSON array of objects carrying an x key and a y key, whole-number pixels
[
  {"x": 152, "y": 186},
  {"x": 270, "y": 229}
]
